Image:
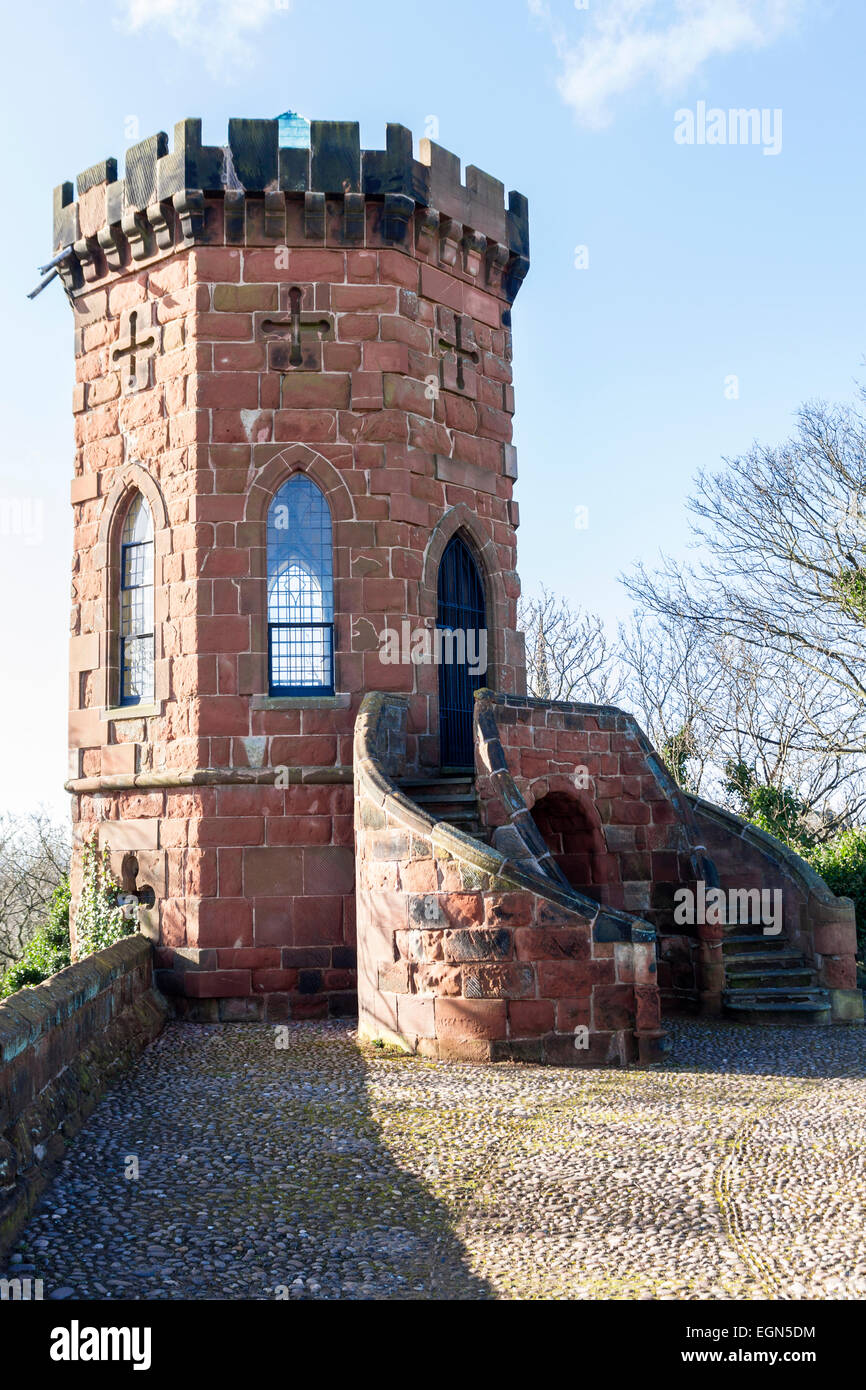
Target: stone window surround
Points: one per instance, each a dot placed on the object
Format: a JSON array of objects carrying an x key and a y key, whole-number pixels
[
  {"x": 299, "y": 458},
  {"x": 285, "y": 462},
  {"x": 133, "y": 478}
]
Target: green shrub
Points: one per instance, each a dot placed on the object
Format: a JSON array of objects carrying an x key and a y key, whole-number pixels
[
  {"x": 841, "y": 862},
  {"x": 676, "y": 752},
  {"x": 778, "y": 810},
  {"x": 48, "y": 949}
]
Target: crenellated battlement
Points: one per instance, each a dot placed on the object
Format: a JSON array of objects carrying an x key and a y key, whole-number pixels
[{"x": 162, "y": 199}]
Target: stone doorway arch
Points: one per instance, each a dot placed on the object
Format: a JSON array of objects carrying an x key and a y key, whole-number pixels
[{"x": 574, "y": 835}]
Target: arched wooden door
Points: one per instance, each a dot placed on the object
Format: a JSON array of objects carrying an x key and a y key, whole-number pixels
[{"x": 461, "y": 651}]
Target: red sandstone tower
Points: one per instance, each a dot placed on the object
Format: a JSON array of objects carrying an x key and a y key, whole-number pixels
[
  {"x": 293, "y": 419},
  {"x": 293, "y": 496}
]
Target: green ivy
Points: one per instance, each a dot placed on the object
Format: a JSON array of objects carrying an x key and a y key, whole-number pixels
[
  {"x": 99, "y": 919},
  {"x": 850, "y": 590},
  {"x": 676, "y": 752},
  {"x": 99, "y": 922},
  {"x": 47, "y": 950}
]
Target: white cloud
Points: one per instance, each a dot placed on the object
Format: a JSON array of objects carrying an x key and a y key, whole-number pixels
[
  {"x": 220, "y": 30},
  {"x": 629, "y": 44}
]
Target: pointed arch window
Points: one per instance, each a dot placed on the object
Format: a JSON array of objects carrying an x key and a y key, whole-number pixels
[
  {"x": 300, "y": 591},
  {"x": 136, "y": 604}
]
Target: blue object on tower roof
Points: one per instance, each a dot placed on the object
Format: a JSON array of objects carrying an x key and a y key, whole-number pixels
[{"x": 294, "y": 131}]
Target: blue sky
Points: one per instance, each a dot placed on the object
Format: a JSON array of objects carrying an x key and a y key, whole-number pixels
[{"x": 705, "y": 261}]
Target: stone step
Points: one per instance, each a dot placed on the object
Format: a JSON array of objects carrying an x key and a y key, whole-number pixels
[
  {"x": 440, "y": 798},
  {"x": 761, "y": 960},
  {"x": 455, "y": 818},
  {"x": 460, "y": 805},
  {"x": 759, "y": 1010},
  {"x": 447, "y": 798},
  {"x": 466, "y": 826},
  {"x": 740, "y": 945},
  {"x": 445, "y": 791},
  {"x": 775, "y": 994},
  {"x": 768, "y": 978},
  {"x": 766, "y": 960},
  {"x": 449, "y": 783}
]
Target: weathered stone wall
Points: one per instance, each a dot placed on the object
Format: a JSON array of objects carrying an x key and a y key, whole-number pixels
[
  {"x": 62, "y": 1043},
  {"x": 466, "y": 953},
  {"x": 399, "y": 409}
]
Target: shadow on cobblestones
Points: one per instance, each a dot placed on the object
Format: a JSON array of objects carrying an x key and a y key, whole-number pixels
[
  {"x": 260, "y": 1175},
  {"x": 323, "y": 1170}
]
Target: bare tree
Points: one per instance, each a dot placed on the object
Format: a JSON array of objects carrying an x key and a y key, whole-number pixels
[
  {"x": 712, "y": 705},
  {"x": 569, "y": 656},
  {"x": 785, "y": 534},
  {"x": 764, "y": 705},
  {"x": 670, "y": 684},
  {"x": 34, "y": 856},
  {"x": 751, "y": 661}
]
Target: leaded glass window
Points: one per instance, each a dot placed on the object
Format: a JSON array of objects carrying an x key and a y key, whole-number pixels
[
  {"x": 300, "y": 591},
  {"x": 136, "y": 605}
]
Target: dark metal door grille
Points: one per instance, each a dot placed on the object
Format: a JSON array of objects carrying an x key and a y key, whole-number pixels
[{"x": 461, "y": 609}]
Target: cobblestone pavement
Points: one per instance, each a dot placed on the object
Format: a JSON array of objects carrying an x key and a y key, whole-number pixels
[{"x": 319, "y": 1170}]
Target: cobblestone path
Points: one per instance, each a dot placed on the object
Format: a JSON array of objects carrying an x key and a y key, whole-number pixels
[{"x": 320, "y": 1170}]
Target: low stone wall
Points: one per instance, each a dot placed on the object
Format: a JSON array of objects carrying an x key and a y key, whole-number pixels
[
  {"x": 62, "y": 1043},
  {"x": 464, "y": 952}
]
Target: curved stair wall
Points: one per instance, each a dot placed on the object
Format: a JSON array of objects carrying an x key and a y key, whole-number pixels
[
  {"x": 648, "y": 842},
  {"x": 467, "y": 953},
  {"x": 653, "y": 839}
]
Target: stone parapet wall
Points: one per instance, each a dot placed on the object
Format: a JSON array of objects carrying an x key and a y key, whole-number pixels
[
  {"x": 465, "y": 953},
  {"x": 62, "y": 1043},
  {"x": 162, "y": 196}
]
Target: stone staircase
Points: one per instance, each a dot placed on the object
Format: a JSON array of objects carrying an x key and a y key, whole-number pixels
[
  {"x": 767, "y": 981},
  {"x": 447, "y": 796}
]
